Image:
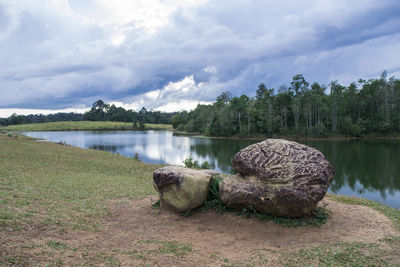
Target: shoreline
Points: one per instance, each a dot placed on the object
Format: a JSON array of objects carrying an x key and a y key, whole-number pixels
[
  {"x": 294, "y": 138},
  {"x": 127, "y": 126},
  {"x": 196, "y": 135}
]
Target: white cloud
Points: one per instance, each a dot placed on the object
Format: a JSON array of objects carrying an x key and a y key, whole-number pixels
[
  {"x": 58, "y": 53},
  {"x": 7, "y": 112},
  {"x": 180, "y": 105},
  {"x": 175, "y": 96}
]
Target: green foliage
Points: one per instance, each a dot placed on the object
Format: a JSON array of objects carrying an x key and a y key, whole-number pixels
[
  {"x": 100, "y": 111},
  {"x": 301, "y": 110},
  {"x": 205, "y": 165},
  {"x": 190, "y": 163},
  {"x": 213, "y": 188},
  {"x": 156, "y": 204},
  {"x": 83, "y": 126}
]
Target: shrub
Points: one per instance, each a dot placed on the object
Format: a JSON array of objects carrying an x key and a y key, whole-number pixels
[
  {"x": 189, "y": 162},
  {"x": 205, "y": 165}
]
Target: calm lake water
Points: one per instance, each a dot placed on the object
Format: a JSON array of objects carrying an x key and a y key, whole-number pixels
[{"x": 366, "y": 168}]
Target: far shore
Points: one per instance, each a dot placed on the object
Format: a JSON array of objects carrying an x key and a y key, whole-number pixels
[
  {"x": 84, "y": 126},
  {"x": 129, "y": 126}
]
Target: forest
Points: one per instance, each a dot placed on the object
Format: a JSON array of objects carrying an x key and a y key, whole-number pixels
[
  {"x": 359, "y": 109},
  {"x": 37, "y": 118},
  {"x": 301, "y": 109},
  {"x": 100, "y": 111}
]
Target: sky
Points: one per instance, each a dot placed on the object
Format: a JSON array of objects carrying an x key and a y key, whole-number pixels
[{"x": 63, "y": 55}]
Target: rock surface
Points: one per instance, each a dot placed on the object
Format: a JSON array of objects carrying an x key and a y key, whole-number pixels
[
  {"x": 278, "y": 177},
  {"x": 180, "y": 188}
]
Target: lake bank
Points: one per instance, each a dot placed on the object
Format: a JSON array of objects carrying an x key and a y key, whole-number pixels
[
  {"x": 291, "y": 138},
  {"x": 84, "y": 126},
  {"x": 66, "y": 205},
  {"x": 113, "y": 126}
]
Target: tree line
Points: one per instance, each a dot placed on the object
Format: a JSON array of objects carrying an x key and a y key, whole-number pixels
[
  {"x": 38, "y": 118},
  {"x": 99, "y": 111},
  {"x": 303, "y": 109}
]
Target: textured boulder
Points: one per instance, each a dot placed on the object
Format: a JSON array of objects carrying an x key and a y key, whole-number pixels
[
  {"x": 278, "y": 177},
  {"x": 180, "y": 188}
]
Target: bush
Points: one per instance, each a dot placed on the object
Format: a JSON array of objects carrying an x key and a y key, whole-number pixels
[
  {"x": 189, "y": 162},
  {"x": 205, "y": 165}
]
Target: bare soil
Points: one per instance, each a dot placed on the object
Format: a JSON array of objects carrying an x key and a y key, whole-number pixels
[{"x": 135, "y": 234}]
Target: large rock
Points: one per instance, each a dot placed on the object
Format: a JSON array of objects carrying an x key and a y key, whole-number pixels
[
  {"x": 180, "y": 188},
  {"x": 278, "y": 177}
]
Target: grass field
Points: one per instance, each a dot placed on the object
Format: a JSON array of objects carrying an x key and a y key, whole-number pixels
[
  {"x": 48, "y": 189},
  {"x": 83, "y": 126},
  {"x": 61, "y": 185}
]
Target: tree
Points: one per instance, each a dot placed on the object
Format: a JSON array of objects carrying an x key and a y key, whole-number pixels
[
  {"x": 283, "y": 101},
  {"x": 239, "y": 105},
  {"x": 98, "y": 112},
  {"x": 264, "y": 104},
  {"x": 298, "y": 87}
]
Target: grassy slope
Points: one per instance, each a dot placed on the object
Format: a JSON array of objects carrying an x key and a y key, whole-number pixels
[
  {"x": 60, "y": 186},
  {"x": 54, "y": 184},
  {"x": 83, "y": 125}
]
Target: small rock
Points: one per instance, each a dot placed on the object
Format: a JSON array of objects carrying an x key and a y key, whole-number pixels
[{"x": 181, "y": 189}]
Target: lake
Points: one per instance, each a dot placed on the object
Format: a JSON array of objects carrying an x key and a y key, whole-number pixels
[{"x": 365, "y": 168}]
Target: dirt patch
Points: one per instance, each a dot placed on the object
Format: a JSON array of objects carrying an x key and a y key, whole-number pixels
[{"x": 136, "y": 233}]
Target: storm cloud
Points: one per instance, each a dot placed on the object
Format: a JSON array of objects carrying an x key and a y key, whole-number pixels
[{"x": 171, "y": 55}]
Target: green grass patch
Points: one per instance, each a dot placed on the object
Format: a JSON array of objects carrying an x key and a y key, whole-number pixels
[
  {"x": 169, "y": 247},
  {"x": 49, "y": 184},
  {"x": 57, "y": 245},
  {"x": 83, "y": 126},
  {"x": 343, "y": 254},
  {"x": 392, "y": 213},
  {"x": 14, "y": 260}
]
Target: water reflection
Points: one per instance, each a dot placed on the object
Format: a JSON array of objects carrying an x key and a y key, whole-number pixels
[
  {"x": 363, "y": 165},
  {"x": 369, "y": 169}
]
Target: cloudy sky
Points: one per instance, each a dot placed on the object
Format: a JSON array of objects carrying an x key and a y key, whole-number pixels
[{"x": 171, "y": 55}]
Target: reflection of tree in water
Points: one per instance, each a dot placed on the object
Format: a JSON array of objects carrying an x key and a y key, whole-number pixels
[
  {"x": 219, "y": 152},
  {"x": 373, "y": 164}
]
